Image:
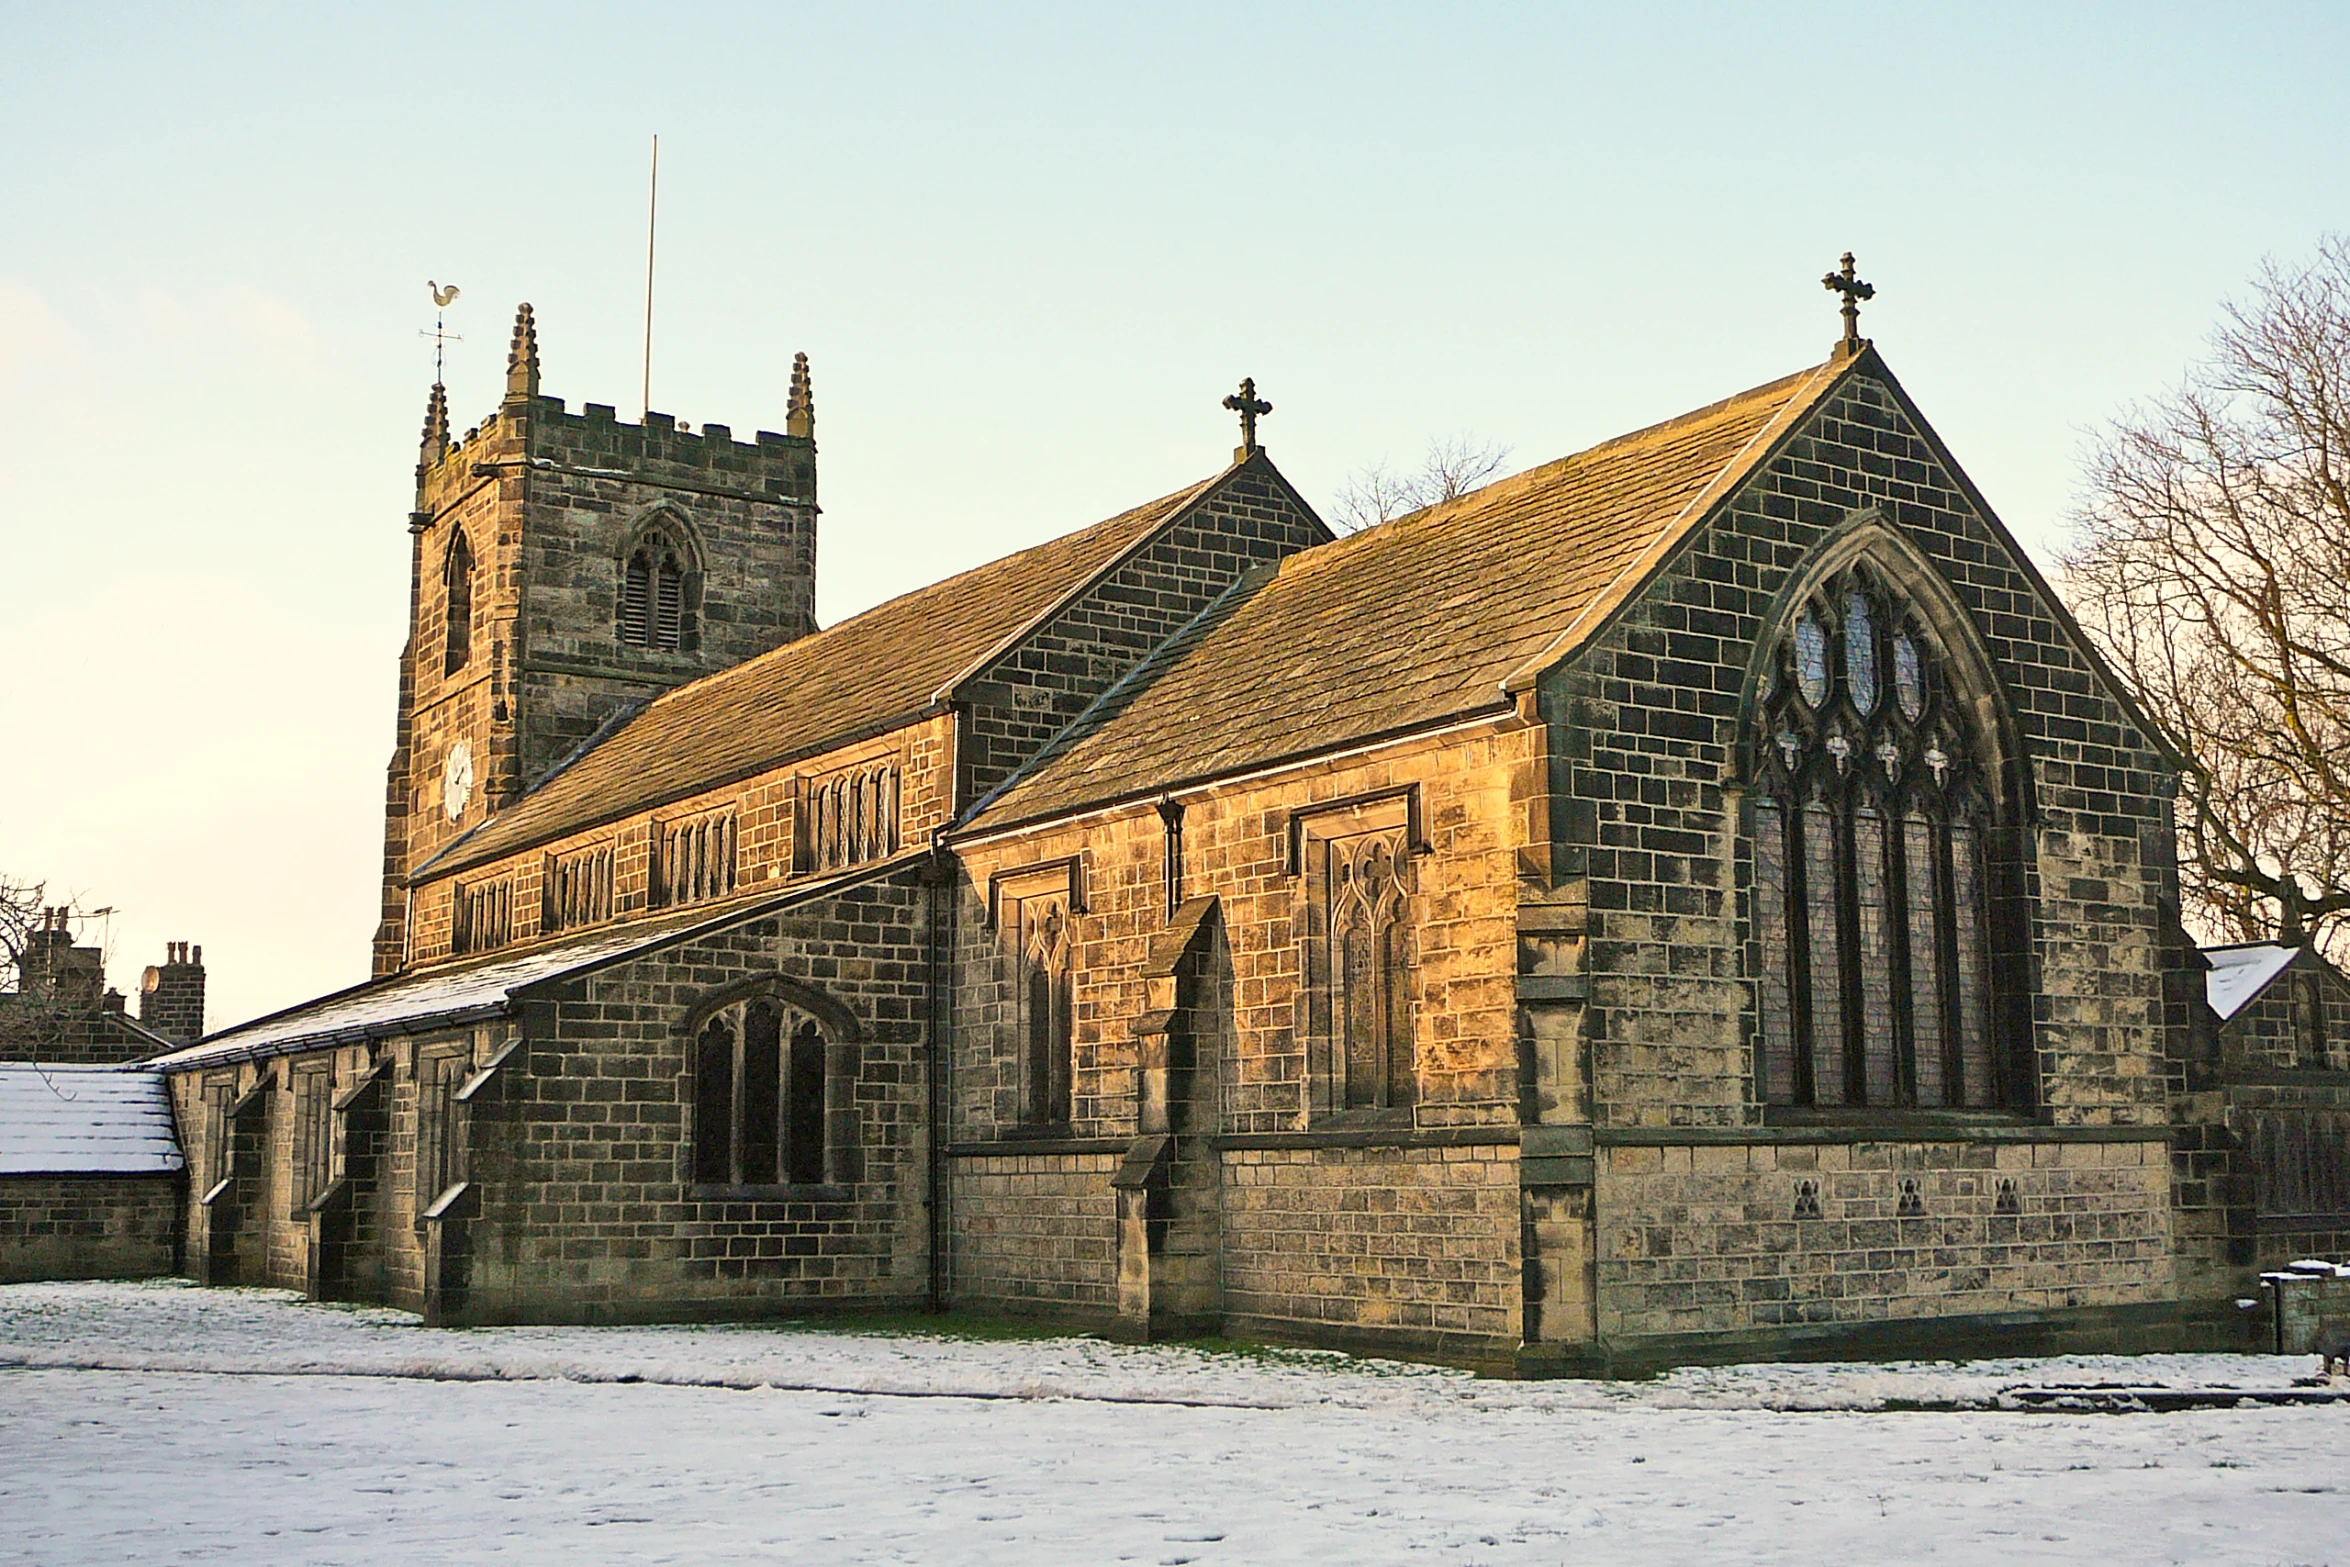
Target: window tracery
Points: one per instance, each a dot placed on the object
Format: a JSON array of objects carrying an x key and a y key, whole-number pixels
[
  {"x": 759, "y": 1084},
  {"x": 1870, "y": 834},
  {"x": 1356, "y": 918},
  {"x": 656, "y": 611},
  {"x": 1370, "y": 1014},
  {"x": 1047, "y": 1033}
]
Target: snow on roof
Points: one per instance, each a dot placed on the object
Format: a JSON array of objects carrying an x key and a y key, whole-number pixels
[
  {"x": 85, "y": 1120},
  {"x": 2240, "y": 973}
]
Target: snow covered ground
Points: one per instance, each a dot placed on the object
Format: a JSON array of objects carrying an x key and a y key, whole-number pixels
[{"x": 163, "y": 1423}]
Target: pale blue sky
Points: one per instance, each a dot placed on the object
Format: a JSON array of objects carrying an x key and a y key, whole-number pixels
[{"x": 1028, "y": 250}]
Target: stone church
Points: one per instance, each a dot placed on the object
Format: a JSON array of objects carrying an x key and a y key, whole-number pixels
[{"x": 1698, "y": 897}]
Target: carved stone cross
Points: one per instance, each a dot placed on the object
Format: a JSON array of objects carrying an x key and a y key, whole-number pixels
[
  {"x": 1248, "y": 405},
  {"x": 1854, "y": 291}
]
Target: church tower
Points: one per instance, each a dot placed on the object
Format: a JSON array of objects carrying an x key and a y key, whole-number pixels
[{"x": 566, "y": 568}]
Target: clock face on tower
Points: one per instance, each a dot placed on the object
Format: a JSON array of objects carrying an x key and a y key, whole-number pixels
[{"x": 457, "y": 779}]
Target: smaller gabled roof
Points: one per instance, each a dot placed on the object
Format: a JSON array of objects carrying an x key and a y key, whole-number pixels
[
  {"x": 85, "y": 1120},
  {"x": 871, "y": 672},
  {"x": 477, "y": 990},
  {"x": 2239, "y": 973},
  {"x": 1430, "y": 618}
]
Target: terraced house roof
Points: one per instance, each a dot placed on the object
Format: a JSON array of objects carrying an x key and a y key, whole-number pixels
[
  {"x": 85, "y": 1120},
  {"x": 870, "y": 671},
  {"x": 1412, "y": 622}
]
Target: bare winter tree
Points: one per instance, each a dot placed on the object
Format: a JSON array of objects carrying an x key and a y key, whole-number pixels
[
  {"x": 24, "y": 909},
  {"x": 2213, "y": 569},
  {"x": 1453, "y": 466},
  {"x": 30, "y": 1016}
]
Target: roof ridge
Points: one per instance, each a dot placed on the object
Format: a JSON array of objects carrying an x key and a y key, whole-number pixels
[
  {"x": 1177, "y": 504},
  {"x": 1808, "y": 388},
  {"x": 1478, "y": 585},
  {"x": 1184, "y": 637},
  {"x": 717, "y": 677},
  {"x": 1511, "y": 485}
]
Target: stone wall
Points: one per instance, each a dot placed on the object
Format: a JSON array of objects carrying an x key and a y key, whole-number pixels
[
  {"x": 69, "y": 1036},
  {"x": 1031, "y": 693},
  {"x": 1395, "y": 1228},
  {"x": 1036, "y": 1233},
  {"x": 2265, "y": 1037},
  {"x": 1716, "y": 1238},
  {"x": 1647, "y": 725},
  {"x": 2309, "y": 1311},
  {"x": 1640, "y": 966},
  {"x": 1418, "y": 1244},
  {"x": 88, "y": 1227},
  {"x": 767, "y": 811},
  {"x": 749, "y": 505},
  {"x": 548, "y": 503},
  {"x": 583, "y": 1149}
]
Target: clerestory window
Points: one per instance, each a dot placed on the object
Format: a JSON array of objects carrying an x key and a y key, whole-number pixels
[
  {"x": 759, "y": 1083},
  {"x": 1873, "y": 815}
]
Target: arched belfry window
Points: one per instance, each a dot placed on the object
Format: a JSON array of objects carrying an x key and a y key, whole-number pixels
[
  {"x": 457, "y": 599},
  {"x": 759, "y": 1081},
  {"x": 1876, "y": 804},
  {"x": 656, "y": 591}
]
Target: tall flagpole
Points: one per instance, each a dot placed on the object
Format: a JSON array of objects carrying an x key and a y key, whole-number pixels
[{"x": 652, "y": 211}]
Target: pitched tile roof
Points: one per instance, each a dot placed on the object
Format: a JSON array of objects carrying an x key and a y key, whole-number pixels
[
  {"x": 1411, "y": 622},
  {"x": 85, "y": 1120},
  {"x": 875, "y": 669}
]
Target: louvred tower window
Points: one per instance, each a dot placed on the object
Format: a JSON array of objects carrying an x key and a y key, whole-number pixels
[
  {"x": 657, "y": 592},
  {"x": 1875, "y": 813}
]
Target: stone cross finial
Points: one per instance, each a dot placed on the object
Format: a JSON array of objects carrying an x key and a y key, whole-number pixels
[
  {"x": 799, "y": 414},
  {"x": 522, "y": 358},
  {"x": 1854, "y": 291},
  {"x": 1248, "y": 405}
]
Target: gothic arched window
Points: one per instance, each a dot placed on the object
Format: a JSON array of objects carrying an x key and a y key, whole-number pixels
[
  {"x": 758, "y": 1070},
  {"x": 654, "y": 611},
  {"x": 1872, "y": 827},
  {"x": 1369, "y": 1010},
  {"x": 1048, "y": 1035},
  {"x": 2309, "y": 1021},
  {"x": 457, "y": 585}
]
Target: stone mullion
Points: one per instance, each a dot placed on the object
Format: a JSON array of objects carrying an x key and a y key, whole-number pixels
[
  {"x": 1848, "y": 948},
  {"x": 1799, "y": 970},
  {"x": 1897, "y": 918},
  {"x": 1946, "y": 918}
]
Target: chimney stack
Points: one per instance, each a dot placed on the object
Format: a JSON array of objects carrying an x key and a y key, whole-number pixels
[{"x": 171, "y": 995}]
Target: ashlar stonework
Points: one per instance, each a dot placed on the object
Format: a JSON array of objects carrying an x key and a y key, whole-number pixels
[{"x": 1700, "y": 896}]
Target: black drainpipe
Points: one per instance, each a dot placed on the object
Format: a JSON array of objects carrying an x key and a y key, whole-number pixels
[{"x": 939, "y": 877}]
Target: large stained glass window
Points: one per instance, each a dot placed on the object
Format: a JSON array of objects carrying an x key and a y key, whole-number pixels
[{"x": 1871, "y": 884}]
